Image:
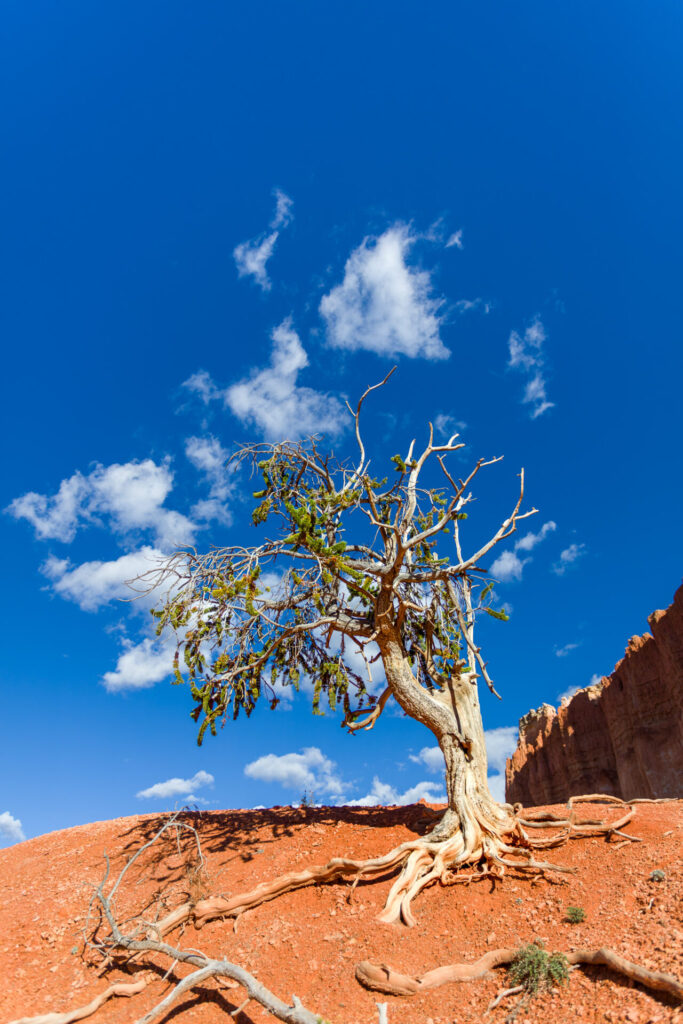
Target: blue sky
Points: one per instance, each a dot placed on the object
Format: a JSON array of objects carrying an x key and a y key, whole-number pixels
[{"x": 218, "y": 221}]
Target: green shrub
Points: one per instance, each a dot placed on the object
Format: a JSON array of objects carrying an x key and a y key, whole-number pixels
[
  {"x": 535, "y": 969},
  {"x": 575, "y": 915},
  {"x": 658, "y": 875}
]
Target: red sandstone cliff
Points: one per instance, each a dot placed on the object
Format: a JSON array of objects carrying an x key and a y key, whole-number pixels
[{"x": 623, "y": 736}]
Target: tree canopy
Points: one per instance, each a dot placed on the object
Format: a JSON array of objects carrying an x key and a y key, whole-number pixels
[{"x": 349, "y": 553}]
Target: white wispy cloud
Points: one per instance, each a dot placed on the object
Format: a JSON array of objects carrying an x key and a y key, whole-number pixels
[
  {"x": 384, "y": 304},
  {"x": 201, "y": 384},
  {"x": 130, "y": 497},
  {"x": 56, "y": 517},
  {"x": 446, "y": 425},
  {"x": 529, "y": 541},
  {"x": 382, "y": 794},
  {"x": 500, "y": 744},
  {"x": 176, "y": 787},
  {"x": 509, "y": 566},
  {"x": 140, "y": 665},
  {"x": 209, "y": 457},
  {"x": 526, "y": 354},
  {"x": 273, "y": 402},
  {"x": 94, "y": 584},
  {"x": 455, "y": 240},
  {"x": 308, "y": 771},
  {"x": 252, "y": 256},
  {"x": 562, "y": 652},
  {"x": 270, "y": 399},
  {"x": 471, "y": 305},
  {"x": 11, "y": 830},
  {"x": 571, "y": 690},
  {"x": 431, "y": 758},
  {"x": 568, "y": 557}
]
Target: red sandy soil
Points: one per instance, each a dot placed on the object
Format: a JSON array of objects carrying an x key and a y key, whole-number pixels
[{"x": 308, "y": 942}]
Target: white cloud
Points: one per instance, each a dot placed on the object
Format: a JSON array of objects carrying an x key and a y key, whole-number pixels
[
  {"x": 93, "y": 584},
  {"x": 470, "y": 305},
  {"x": 10, "y": 829},
  {"x": 201, "y": 384},
  {"x": 562, "y": 652},
  {"x": 142, "y": 664},
  {"x": 571, "y": 690},
  {"x": 500, "y": 744},
  {"x": 176, "y": 787},
  {"x": 209, "y": 456},
  {"x": 508, "y": 566},
  {"x": 529, "y": 541},
  {"x": 283, "y": 210},
  {"x": 384, "y": 305},
  {"x": 446, "y": 425},
  {"x": 455, "y": 240},
  {"x": 431, "y": 758},
  {"x": 526, "y": 354},
  {"x": 271, "y": 400},
  {"x": 308, "y": 771},
  {"x": 252, "y": 256},
  {"x": 496, "y": 784},
  {"x": 382, "y": 794},
  {"x": 130, "y": 495},
  {"x": 54, "y": 518},
  {"x": 568, "y": 557},
  {"x": 535, "y": 394}
]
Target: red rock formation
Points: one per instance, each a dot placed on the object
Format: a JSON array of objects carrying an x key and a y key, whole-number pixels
[{"x": 623, "y": 736}]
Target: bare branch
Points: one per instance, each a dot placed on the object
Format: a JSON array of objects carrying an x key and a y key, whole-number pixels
[
  {"x": 369, "y": 721},
  {"x": 361, "y": 463}
]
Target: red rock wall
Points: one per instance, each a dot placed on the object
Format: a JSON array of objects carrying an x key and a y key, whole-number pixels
[{"x": 623, "y": 736}]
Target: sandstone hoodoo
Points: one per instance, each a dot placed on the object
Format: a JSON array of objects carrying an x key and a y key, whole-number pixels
[{"x": 623, "y": 736}]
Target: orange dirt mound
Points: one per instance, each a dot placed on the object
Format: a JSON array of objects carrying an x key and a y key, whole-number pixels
[{"x": 308, "y": 942}]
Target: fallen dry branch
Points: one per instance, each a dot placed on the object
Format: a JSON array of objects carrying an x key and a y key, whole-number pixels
[
  {"x": 121, "y": 988},
  {"x": 504, "y": 995},
  {"x": 381, "y": 978},
  {"x": 114, "y": 947}
]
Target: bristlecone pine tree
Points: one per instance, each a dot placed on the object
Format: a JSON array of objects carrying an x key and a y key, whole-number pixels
[{"x": 356, "y": 567}]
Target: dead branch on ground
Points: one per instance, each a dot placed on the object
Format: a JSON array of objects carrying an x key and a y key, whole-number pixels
[
  {"x": 140, "y": 940},
  {"x": 381, "y": 978}
]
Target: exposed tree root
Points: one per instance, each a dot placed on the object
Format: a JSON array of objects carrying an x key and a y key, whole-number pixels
[
  {"x": 381, "y": 978},
  {"x": 455, "y": 851},
  {"x": 484, "y": 846},
  {"x": 121, "y": 988},
  {"x": 114, "y": 948}
]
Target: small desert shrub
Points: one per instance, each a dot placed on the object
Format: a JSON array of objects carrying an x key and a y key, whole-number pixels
[
  {"x": 658, "y": 875},
  {"x": 536, "y": 969},
  {"x": 575, "y": 915}
]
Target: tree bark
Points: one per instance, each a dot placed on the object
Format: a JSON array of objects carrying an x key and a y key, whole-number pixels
[{"x": 453, "y": 715}]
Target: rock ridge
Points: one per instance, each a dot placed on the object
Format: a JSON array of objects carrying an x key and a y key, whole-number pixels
[{"x": 622, "y": 736}]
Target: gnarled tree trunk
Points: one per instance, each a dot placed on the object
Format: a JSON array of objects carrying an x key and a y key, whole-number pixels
[
  {"x": 454, "y": 717},
  {"x": 474, "y": 826}
]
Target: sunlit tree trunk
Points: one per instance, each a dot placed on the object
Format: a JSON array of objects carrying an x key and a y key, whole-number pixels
[{"x": 454, "y": 718}]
